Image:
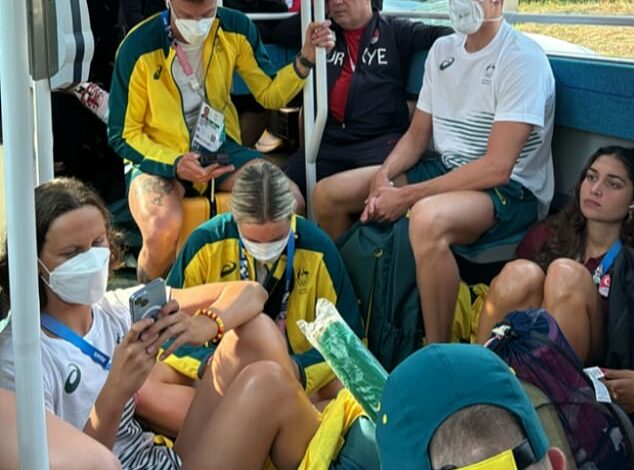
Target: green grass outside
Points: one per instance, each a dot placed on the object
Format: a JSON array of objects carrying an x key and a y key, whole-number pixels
[{"x": 605, "y": 40}]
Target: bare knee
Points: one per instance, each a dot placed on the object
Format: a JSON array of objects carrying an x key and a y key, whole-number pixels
[
  {"x": 565, "y": 277},
  {"x": 343, "y": 192},
  {"x": 518, "y": 279},
  {"x": 161, "y": 234},
  {"x": 428, "y": 229},
  {"x": 258, "y": 334},
  {"x": 266, "y": 380},
  {"x": 324, "y": 197}
]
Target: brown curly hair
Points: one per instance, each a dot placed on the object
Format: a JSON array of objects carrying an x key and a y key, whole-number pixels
[
  {"x": 52, "y": 200},
  {"x": 567, "y": 229}
]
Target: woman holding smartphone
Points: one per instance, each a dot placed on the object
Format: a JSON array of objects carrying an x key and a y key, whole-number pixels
[{"x": 95, "y": 359}]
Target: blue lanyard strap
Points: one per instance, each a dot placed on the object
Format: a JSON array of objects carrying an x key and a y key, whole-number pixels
[
  {"x": 607, "y": 261},
  {"x": 59, "y": 329},
  {"x": 290, "y": 256}
]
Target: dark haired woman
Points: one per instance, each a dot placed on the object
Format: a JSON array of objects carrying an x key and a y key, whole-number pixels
[
  {"x": 565, "y": 261},
  {"x": 95, "y": 359}
]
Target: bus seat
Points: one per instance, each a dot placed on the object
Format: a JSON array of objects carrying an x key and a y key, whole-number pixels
[
  {"x": 501, "y": 250},
  {"x": 415, "y": 75},
  {"x": 197, "y": 210}
]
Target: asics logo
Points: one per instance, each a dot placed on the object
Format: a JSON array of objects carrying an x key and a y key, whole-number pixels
[
  {"x": 446, "y": 63},
  {"x": 157, "y": 74}
]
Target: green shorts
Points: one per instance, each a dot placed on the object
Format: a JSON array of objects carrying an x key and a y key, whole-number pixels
[
  {"x": 238, "y": 156},
  {"x": 515, "y": 206}
]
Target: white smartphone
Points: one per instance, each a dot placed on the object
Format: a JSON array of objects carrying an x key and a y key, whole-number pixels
[{"x": 148, "y": 300}]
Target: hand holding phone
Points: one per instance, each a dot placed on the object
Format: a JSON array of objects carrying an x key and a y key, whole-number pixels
[
  {"x": 148, "y": 300},
  {"x": 219, "y": 158}
]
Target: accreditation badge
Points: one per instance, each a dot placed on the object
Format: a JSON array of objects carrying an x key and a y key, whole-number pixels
[
  {"x": 604, "y": 285},
  {"x": 209, "y": 132}
]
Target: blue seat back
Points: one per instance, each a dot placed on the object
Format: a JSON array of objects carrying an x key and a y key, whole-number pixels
[{"x": 280, "y": 56}]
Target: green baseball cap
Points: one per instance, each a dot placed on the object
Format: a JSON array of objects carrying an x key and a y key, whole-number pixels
[{"x": 433, "y": 384}]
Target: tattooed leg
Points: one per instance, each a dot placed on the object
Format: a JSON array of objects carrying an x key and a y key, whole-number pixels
[{"x": 155, "y": 204}]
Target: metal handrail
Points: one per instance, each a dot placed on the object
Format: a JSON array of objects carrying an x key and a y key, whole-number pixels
[
  {"x": 313, "y": 129},
  {"x": 546, "y": 18}
]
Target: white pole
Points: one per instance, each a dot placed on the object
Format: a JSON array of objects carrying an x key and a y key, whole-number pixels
[
  {"x": 18, "y": 181},
  {"x": 309, "y": 110},
  {"x": 312, "y": 145},
  {"x": 43, "y": 130}
]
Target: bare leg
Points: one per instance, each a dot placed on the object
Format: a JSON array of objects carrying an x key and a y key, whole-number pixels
[
  {"x": 227, "y": 185},
  {"x": 436, "y": 223},
  {"x": 339, "y": 198},
  {"x": 68, "y": 447},
  {"x": 520, "y": 285},
  {"x": 264, "y": 412},
  {"x": 256, "y": 340},
  {"x": 155, "y": 204},
  {"x": 571, "y": 297},
  {"x": 164, "y": 399}
]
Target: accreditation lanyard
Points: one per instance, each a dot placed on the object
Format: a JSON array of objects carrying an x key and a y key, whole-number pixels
[
  {"x": 182, "y": 57},
  {"x": 290, "y": 255},
  {"x": 59, "y": 329},
  {"x": 607, "y": 261}
]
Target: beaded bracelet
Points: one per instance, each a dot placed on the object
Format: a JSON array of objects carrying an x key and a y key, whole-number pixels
[{"x": 214, "y": 316}]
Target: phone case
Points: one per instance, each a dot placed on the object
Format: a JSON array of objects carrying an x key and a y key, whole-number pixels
[{"x": 148, "y": 300}]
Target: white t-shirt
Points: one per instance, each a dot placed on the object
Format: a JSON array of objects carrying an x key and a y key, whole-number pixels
[
  {"x": 191, "y": 99},
  {"x": 72, "y": 380},
  {"x": 508, "y": 80}
]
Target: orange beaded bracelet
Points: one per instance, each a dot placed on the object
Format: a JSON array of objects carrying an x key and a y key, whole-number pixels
[{"x": 208, "y": 312}]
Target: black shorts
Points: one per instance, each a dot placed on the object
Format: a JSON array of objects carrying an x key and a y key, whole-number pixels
[{"x": 335, "y": 158}]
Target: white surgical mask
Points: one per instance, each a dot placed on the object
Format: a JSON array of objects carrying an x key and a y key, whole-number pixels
[
  {"x": 265, "y": 252},
  {"x": 83, "y": 278},
  {"x": 467, "y": 16},
  {"x": 193, "y": 31}
]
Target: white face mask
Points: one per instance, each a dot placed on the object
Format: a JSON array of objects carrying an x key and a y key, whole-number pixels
[
  {"x": 193, "y": 31},
  {"x": 83, "y": 278},
  {"x": 467, "y": 16},
  {"x": 265, "y": 252}
]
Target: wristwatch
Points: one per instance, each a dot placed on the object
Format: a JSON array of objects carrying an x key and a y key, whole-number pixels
[{"x": 304, "y": 61}]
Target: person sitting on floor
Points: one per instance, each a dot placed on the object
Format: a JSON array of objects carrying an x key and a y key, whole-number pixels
[
  {"x": 469, "y": 412},
  {"x": 260, "y": 240},
  {"x": 565, "y": 261},
  {"x": 95, "y": 359}
]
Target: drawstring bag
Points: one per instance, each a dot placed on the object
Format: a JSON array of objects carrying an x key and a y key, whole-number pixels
[{"x": 599, "y": 434}]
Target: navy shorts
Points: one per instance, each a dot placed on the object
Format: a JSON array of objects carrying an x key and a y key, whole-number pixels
[{"x": 335, "y": 158}]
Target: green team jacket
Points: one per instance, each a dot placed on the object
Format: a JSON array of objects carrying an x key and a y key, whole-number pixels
[
  {"x": 146, "y": 123},
  {"x": 211, "y": 254}
]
